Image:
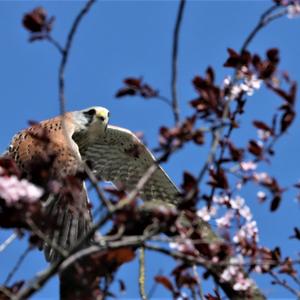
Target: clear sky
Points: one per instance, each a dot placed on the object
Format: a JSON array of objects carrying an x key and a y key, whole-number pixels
[{"x": 133, "y": 38}]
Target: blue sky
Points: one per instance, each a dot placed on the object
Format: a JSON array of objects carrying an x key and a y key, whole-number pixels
[{"x": 133, "y": 38}]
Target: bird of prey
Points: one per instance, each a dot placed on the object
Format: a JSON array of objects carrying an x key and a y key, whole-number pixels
[{"x": 114, "y": 154}]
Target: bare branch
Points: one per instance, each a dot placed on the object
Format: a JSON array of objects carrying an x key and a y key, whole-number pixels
[
  {"x": 284, "y": 284},
  {"x": 142, "y": 274},
  {"x": 8, "y": 241},
  {"x": 66, "y": 52},
  {"x": 17, "y": 265},
  {"x": 199, "y": 283},
  {"x": 264, "y": 20},
  {"x": 174, "y": 61},
  {"x": 55, "y": 43}
]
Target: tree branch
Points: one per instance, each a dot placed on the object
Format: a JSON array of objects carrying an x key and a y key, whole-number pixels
[
  {"x": 174, "y": 62},
  {"x": 66, "y": 51}
]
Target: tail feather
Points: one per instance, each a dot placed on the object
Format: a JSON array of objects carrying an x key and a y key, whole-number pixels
[{"x": 72, "y": 222}]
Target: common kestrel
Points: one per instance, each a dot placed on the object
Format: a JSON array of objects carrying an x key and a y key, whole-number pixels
[{"x": 115, "y": 154}]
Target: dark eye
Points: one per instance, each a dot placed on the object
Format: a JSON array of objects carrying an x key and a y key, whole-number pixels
[
  {"x": 90, "y": 112},
  {"x": 108, "y": 114}
]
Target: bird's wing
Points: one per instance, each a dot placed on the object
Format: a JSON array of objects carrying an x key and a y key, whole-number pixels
[
  {"x": 120, "y": 157},
  {"x": 71, "y": 218}
]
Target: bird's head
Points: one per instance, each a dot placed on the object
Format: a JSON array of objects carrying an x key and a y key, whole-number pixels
[{"x": 92, "y": 118}]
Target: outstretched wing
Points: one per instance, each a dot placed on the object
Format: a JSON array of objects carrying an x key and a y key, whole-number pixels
[{"x": 120, "y": 157}]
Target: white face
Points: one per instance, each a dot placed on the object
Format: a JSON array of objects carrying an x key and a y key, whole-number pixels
[
  {"x": 92, "y": 118},
  {"x": 97, "y": 118},
  {"x": 102, "y": 114}
]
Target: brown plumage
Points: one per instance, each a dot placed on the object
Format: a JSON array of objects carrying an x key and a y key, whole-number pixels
[
  {"x": 48, "y": 146},
  {"x": 114, "y": 153}
]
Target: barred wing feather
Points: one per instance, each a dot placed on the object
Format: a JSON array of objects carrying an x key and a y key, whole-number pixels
[{"x": 120, "y": 157}]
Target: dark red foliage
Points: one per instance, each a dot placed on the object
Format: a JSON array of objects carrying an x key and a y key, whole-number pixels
[
  {"x": 275, "y": 202},
  {"x": 218, "y": 179},
  {"x": 287, "y": 119},
  {"x": 118, "y": 193},
  {"x": 266, "y": 68},
  {"x": 255, "y": 148},
  {"x": 217, "y": 296},
  {"x": 37, "y": 23},
  {"x": 263, "y": 126},
  {"x": 287, "y": 267},
  {"x": 209, "y": 100},
  {"x": 296, "y": 234},
  {"x": 190, "y": 188},
  {"x": 184, "y": 132},
  {"x": 236, "y": 154},
  {"x": 13, "y": 216},
  {"x": 122, "y": 286},
  {"x": 9, "y": 167},
  {"x": 165, "y": 281},
  {"x": 135, "y": 86},
  {"x": 237, "y": 60},
  {"x": 273, "y": 55}
]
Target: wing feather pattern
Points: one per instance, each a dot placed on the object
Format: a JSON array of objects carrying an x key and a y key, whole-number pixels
[
  {"x": 72, "y": 221},
  {"x": 120, "y": 157}
]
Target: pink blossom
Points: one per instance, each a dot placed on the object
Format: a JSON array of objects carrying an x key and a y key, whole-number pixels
[
  {"x": 242, "y": 283},
  {"x": 235, "y": 91},
  {"x": 245, "y": 212},
  {"x": 248, "y": 85},
  {"x": 293, "y": 10},
  {"x": 227, "y": 81},
  {"x": 221, "y": 199},
  {"x": 248, "y": 166},
  {"x": 262, "y": 177},
  {"x": 261, "y": 195},
  {"x": 206, "y": 213},
  {"x": 258, "y": 269},
  {"x": 247, "y": 231},
  {"x": 186, "y": 246},
  {"x": 12, "y": 190},
  {"x": 263, "y": 134},
  {"x": 239, "y": 185},
  {"x": 225, "y": 221},
  {"x": 229, "y": 273},
  {"x": 237, "y": 203},
  {"x": 233, "y": 272}
]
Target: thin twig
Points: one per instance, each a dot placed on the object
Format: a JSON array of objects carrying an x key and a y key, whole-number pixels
[
  {"x": 261, "y": 23},
  {"x": 142, "y": 274},
  {"x": 200, "y": 290},
  {"x": 175, "y": 61},
  {"x": 66, "y": 52},
  {"x": 55, "y": 43},
  {"x": 8, "y": 241},
  {"x": 106, "y": 203},
  {"x": 17, "y": 266},
  {"x": 164, "y": 99},
  {"x": 154, "y": 286},
  {"x": 6, "y": 292},
  {"x": 284, "y": 284}
]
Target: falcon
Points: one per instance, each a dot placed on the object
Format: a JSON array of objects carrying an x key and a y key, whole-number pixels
[{"x": 114, "y": 154}]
